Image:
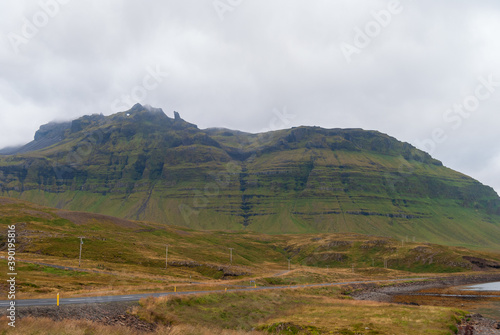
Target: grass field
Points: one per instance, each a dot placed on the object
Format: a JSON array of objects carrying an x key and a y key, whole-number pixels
[
  {"x": 304, "y": 311},
  {"x": 129, "y": 256},
  {"x": 123, "y": 257}
]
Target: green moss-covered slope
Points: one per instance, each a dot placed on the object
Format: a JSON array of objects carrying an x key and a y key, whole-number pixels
[{"x": 141, "y": 164}]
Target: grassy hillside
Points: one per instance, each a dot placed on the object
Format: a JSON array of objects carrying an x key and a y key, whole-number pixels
[
  {"x": 122, "y": 256},
  {"x": 143, "y": 165},
  {"x": 131, "y": 254}
]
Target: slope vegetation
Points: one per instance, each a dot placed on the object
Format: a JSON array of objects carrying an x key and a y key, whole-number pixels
[
  {"x": 118, "y": 244},
  {"x": 143, "y": 165}
]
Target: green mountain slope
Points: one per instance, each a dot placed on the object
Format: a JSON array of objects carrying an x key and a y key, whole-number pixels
[
  {"x": 141, "y": 164},
  {"x": 53, "y": 234}
]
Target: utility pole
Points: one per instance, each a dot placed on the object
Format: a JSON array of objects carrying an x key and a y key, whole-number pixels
[
  {"x": 231, "y": 255},
  {"x": 166, "y": 257},
  {"x": 80, "y": 258}
]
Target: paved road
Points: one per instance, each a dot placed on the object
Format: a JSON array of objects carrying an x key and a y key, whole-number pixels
[{"x": 137, "y": 297}]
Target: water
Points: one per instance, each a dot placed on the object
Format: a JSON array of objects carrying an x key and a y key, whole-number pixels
[
  {"x": 489, "y": 309},
  {"x": 485, "y": 301},
  {"x": 484, "y": 287}
]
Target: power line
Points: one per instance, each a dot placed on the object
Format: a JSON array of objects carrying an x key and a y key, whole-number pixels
[
  {"x": 80, "y": 258},
  {"x": 166, "y": 257},
  {"x": 231, "y": 255}
]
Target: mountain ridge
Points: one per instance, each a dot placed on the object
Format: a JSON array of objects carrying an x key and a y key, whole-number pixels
[{"x": 142, "y": 164}]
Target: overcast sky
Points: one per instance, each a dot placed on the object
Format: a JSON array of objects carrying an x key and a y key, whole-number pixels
[{"x": 425, "y": 72}]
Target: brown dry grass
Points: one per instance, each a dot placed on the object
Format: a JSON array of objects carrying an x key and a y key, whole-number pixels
[
  {"x": 321, "y": 309},
  {"x": 365, "y": 317},
  {"x": 45, "y": 326},
  {"x": 197, "y": 330}
]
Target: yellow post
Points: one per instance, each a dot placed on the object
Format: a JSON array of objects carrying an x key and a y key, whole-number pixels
[
  {"x": 226, "y": 289},
  {"x": 175, "y": 288},
  {"x": 57, "y": 299},
  {"x": 255, "y": 285}
]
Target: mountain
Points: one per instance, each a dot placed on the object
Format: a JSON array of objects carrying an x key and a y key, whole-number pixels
[{"x": 142, "y": 164}]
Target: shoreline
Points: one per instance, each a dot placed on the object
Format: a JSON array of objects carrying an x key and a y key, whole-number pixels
[
  {"x": 384, "y": 293},
  {"x": 472, "y": 324}
]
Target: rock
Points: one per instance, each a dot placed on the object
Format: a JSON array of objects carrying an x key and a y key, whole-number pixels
[{"x": 465, "y": 330}]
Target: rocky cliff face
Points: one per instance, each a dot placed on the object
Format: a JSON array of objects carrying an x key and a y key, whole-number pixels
[{"x": 142, "y": 164}]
